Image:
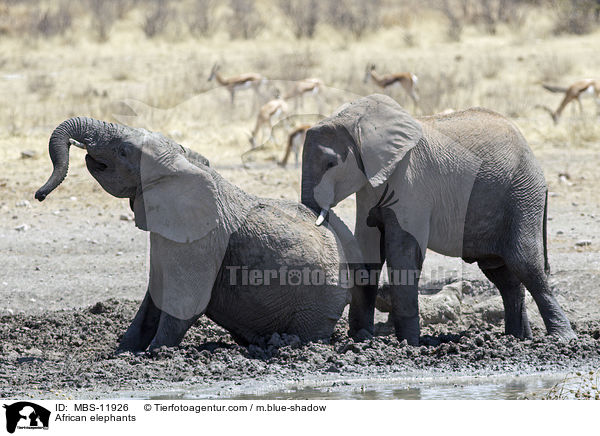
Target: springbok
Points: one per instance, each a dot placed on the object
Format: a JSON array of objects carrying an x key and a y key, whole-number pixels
[
  {"x": 266, "y": 115},
  {"x": 295, "y": 142},
  {"x": 573, "y": 92},
  {"x": 407, "y": 80},
  {"x": 311, "y": 85},
  {"x": 239, "y": 82}
]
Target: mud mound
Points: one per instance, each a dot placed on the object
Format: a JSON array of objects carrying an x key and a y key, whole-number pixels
[{"x": 71, "y": 352}]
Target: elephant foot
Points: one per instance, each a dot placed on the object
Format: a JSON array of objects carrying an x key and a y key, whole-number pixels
[
  {"x": 362, "y": 335},
  {"x": 170, "y": 331},
  {"x": 408, "y": 328},
  {"x": 519, "y": 329},
  {"x": 564, "y": 334},
  {"x": 362, "y": 312}
]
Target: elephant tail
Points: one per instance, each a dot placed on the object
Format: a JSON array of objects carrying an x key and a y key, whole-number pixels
[{"x": 545, "y": 235}]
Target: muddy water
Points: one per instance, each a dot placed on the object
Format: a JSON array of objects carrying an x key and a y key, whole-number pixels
[
  {"x": 453, "y": 388},
  {"x": 501, "y": 389}
]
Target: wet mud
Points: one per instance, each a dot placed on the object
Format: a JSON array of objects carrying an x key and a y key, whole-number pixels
[{"x": 70, "y": 353}]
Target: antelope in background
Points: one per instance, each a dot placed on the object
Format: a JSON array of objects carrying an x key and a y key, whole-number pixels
[
  {"x": 311, "y": 85},
  {"x": 407, "y": 80},
  {"x": 266, "y": 115},
  {"x": 573, "y": 92},
  {"x": 239, "y": 82},
  {"x": 295, "y": 142}
]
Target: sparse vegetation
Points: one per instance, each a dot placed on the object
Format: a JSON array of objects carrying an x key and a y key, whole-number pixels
[
  {"x": 578, "y": 386},
  {"x": 50, "y": 21},
  {"x": 577, "y": 17},
  {"x": 104, "y": 14},
  {"x": 157, "y": 19},
  {"x": 303, "y": 14},
  {"x": 245, "y": 21},
  {"x": 355, "y": 17},
  {"x": 285, "y": 41},
  {"x": 201, "y": 20}
]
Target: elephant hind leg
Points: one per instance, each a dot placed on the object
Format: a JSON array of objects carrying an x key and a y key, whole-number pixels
[
  {"x": 530, "y": 269},
  {"x": 516, "y": 322}
]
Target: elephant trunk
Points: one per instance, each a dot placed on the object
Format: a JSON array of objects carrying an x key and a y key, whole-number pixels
[
  {"x": 82, "y": 130},
  {"x": 308, "y": 199}
]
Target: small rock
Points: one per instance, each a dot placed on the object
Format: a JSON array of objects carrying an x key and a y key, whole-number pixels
[
  {"x": 73, "y": 198},
  {"x": 23, "y": 203},
  {"x": 564, "y": 178},
  {"x": 98, "y": 308},
  {"x": 332, "y": 368},
  {"x": 124, "y": 217},
  {"x": 22, "y": 228},
  {"x": 560, "y": 232},
  {"x": 583, "y": 243},
  {"x": 119, "y": 253},
  {"x": 28, "y": 154}
]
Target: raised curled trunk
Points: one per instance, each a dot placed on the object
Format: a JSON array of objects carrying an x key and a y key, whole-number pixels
[{"x": 80, "y": 129}]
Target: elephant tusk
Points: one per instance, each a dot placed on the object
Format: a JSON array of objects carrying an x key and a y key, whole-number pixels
[
  {"x": 321, "y": 217},
  {"x": 77, "y": 143}
]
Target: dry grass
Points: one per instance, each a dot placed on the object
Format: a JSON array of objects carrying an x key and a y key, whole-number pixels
[
  {"x": 578, "y": 386},
  {"x": 84, "y": 70}
]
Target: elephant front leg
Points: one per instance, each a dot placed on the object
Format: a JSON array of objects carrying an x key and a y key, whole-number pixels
[
  {"x": 405, "y": 259},
  {"x": 171, "y": 330},
  {"x": 143, "y": 328},
  {"x": 362, "y": 306}
]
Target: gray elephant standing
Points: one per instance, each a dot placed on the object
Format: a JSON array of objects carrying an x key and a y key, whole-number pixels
[
  {"x": 214, "y": 249},
  {"x": 464, "y": 185}
]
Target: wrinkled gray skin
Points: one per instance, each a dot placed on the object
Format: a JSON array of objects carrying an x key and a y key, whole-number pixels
[
  {"x": 464, "y": 185},
  {"x": 247, "y": 231}
]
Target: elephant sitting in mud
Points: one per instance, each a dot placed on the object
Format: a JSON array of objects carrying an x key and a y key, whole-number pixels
[
  {"x": 255, "y": 266},
  {"x": 464, "y": 185}
]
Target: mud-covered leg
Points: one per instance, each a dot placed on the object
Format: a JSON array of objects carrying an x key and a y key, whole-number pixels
[
  {"x": 143, "y": 328},
  {"x": 362, "y": 307},
  {"x": 516, "y": 322},
  {"x": 530, "y": 270},
  {"x": 171, "y": 330},
  {"x": 405, "y": 259}
]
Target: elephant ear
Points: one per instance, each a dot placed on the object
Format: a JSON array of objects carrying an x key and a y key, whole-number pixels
[
  {"x": 383, "y": 131},
  {"x": 178, "y": 199}
]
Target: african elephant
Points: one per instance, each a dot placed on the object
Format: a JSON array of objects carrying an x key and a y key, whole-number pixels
[
  {"x": 255, "y": 266},
  {"x": 464, "y": 184}
]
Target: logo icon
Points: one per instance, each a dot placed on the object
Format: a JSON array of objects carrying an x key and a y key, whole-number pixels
[{"x": 26, "y": 415}]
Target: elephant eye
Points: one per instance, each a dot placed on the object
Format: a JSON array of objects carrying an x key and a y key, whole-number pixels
[
  {"x": 122, "y": 152},
  {"x": 330, "y": 164}
]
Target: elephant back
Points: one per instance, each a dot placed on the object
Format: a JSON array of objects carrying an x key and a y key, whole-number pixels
[{"x": 280, "y": 274}]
